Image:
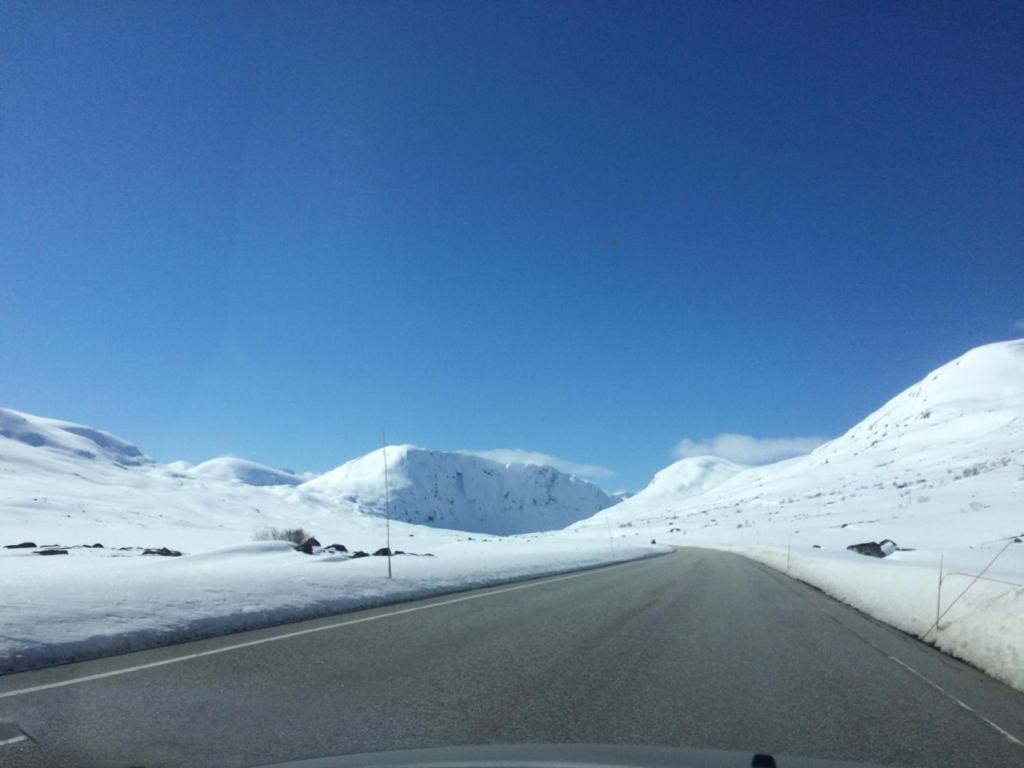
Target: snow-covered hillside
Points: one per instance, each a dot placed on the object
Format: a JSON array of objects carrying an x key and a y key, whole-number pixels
[
  {"x": 939, "y": 469},
  {"x": 232, "y": 469},
  {"x": 463, "y": 491},
  {"x": 946, "y": 454},
  {"x": 687, "y": 477},
  {"x": 54, "y": 444}
]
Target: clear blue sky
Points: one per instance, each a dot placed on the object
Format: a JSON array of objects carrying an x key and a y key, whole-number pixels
[{"x": 585, "y": 229}]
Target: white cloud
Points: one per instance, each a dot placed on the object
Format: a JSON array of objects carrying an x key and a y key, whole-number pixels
[
  {"x": 517, "y": 456},
  {"x": 745, "y": 449}
]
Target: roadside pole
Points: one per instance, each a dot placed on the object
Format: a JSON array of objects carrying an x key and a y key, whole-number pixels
[
  {"x": 387, "y": 498},
  {"x": 608, "y": 523}
]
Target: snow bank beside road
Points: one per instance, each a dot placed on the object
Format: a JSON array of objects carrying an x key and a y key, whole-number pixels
[
  {"x": 985, "y": 627},
  {"x": 61, "y": 609}
]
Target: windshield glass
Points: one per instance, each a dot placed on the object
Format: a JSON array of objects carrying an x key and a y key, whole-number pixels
[{"x": 402, "y": 375}]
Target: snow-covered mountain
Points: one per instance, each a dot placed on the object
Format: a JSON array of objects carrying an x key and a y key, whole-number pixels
[
  {"x": 687, "y": 477},
  {"x": 28, "y": 438},
  {"x": 462, "y": 491},
  {"x": 68, "y": 482},
  {"x": 943, "y": 458},
  {"x": 233, "y": 469}
]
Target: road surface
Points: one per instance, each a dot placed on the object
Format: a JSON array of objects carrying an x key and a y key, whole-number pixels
[{"x": 698, "y": 648}]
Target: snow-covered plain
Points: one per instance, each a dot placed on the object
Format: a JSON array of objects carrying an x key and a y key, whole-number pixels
[
  {"x": 66, "y": 484},
  {"x": 90, "y": 604},
  {"x": 939, "y": 470}
]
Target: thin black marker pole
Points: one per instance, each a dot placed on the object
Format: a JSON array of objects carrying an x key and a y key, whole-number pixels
[{"x": 387, "y": 498}]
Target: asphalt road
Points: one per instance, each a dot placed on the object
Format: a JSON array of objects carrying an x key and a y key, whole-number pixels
[{"x": 697, "y": 648}]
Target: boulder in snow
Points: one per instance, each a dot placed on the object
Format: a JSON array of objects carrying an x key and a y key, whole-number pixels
[
  {"x": 882, "y": 548},
  {"x": 162, "y": 551},
  {"x": 309, "y": 547},
  {"x": 52, "y": 552},
  {"x": 23, "y": 545}
]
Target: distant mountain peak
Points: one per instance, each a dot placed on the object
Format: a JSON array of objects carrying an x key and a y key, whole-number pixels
[
  {"x": 233, "y": 469},
  {"x": 462, "y": 491},
  {"x": 947, "y": 451},
  {"x": 692, "y": 476}
]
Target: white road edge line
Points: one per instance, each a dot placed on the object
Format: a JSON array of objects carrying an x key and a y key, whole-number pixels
[
  {"x": 13, "y": 740},
  {"x": 300, "y": 632},
  {"x": 946, "y": 693}
]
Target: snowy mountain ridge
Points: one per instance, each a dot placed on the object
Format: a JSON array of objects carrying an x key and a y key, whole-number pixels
[
  {"x": 58, "y": 475},
  {"x": 463, "y": 491},
  {"x": 24, "y": 432},
  {"x": 688, "y": 477},
  {"x": 944, "y": 454},
  {"x": 233, "y": 469}
]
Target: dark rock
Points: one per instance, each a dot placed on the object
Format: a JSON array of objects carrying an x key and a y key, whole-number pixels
[
  {"x": 309, "y": 546},
  {"x": 399, "y": 552},
  {"x": 162, "y": 551},
  {"x": 23, "y": 545},
  {"x": 337, "y": 548},
  {"x": 359, "y": 553},
  {"x": 882, "y": 548},
  {"x": 51, "y": 552},
  {"x": 96, "y": 546},
  {"x": 1016, "y": 540},
  {"x": 383, "y": 552},
  {"x": 869, "y": 548},
  {"x": 653, "y": 541},
  {"x": 816, "y": 546}
]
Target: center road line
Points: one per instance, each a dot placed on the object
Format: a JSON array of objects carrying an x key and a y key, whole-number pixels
[{"x": 298, "y": 633}]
